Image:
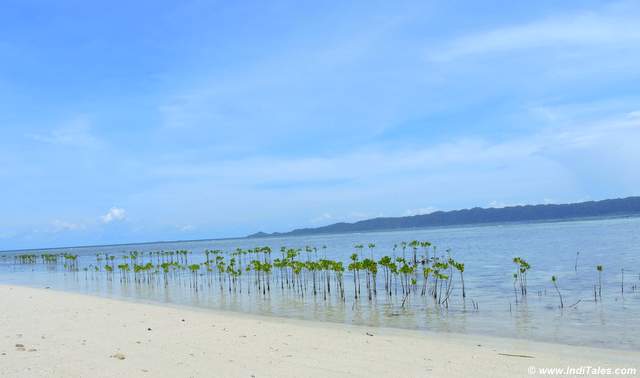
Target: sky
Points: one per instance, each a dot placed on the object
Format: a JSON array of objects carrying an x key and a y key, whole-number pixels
[{"x": 156, "y": 120}]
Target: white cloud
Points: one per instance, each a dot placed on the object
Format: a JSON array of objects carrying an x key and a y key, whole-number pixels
[
  {"x": 7, "y": 234},
  {"x": 356, "y": 216},
  {"x": 315, "y": 82},
  {"x": 60, "y": 226},
  {"x": 562, "y": 161},
  {"x": 113, "y": 215},
  {"x": 634, "y": 115},
  {"x": 380, "y": 164},
  {"x": 75, "y": 132},
  {"x": 186, "y": 228},
  {"x": 420, "y": 211},
  {"x": 614, "y": 27},
  {"x": 500, "y": 204},
  {"x": 322, "y": 219}
]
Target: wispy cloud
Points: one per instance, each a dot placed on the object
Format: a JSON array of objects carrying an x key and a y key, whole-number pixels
[
  {"x": 322, "y": 219},
  {"x": 7, "y": 234},
  {"x": 60, "y": 226},
  {"x": 77, "y": 133},
  {"x": 614, "y": 27},
  {"x": 379, "y": 162},
  {"x": 114, "y": 214},
  {"x": 308, "y": 124},
  {"x": 500, "y": 204},
  {"x": 420, "y": 211},
  {"x": 568, "y": 157},
  {"x": 317, "y": 86},
  {"x": 185, "y": 228}
]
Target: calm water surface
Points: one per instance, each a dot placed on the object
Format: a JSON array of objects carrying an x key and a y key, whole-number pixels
[{"x": 487, "y": 252}]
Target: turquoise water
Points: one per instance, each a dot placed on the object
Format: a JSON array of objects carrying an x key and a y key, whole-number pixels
[{"x": 487, "y": 252}]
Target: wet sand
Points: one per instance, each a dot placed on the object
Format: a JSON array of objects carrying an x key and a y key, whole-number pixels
[{"x": 45, "y": 333}]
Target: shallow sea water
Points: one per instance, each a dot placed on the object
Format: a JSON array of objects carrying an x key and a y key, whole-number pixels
[{"x": 487, "y": 252}]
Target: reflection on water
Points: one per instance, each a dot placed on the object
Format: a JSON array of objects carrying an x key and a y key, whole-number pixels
[{"x": 486, "y": 251}]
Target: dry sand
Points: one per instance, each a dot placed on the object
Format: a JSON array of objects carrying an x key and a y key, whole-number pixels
[{"x": 58, "y": 334}]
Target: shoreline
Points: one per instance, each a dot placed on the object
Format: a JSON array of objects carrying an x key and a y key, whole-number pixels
[
  {"x": 55, "y": 333},
  {"x": 301, "y": 320}
]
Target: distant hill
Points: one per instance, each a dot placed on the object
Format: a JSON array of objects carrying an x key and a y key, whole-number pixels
[{"x": 606, "y": 208}]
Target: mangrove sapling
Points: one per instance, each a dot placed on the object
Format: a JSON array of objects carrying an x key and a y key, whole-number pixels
[
  {"x": 522, "y": 269},
  {"x": 109, "y": 270},
  {"x": 353, "y": 267},
  {"x": 371, "y": 269},
  {"x": 124, "y": 269},
  {"x": 460, "y": 268},
  {"x": 308, "y": 249},
  {"x": 26, "y": 259},
  {"x": 406, "y": 295},
  {"x": 221, "y": 266},
  {"x": 366, "y": 265},
  {"x": 425, "y": 245},
  {"x": 252, "y": 267},
  {"x": 406, "y": 270},
  {"x": 281, "y": 265},
  {"x": 414, "y": 245},
  {"x": 441, "y": 278},
  {"x": 393, "y": 270},
  {"x": 555, "y": 284},
  {"x": 426, "y": 271},
  {"x": 338, "y": 267},
  {"x": 266, "y": 268},
  {"x": 395, "y": 277},
  {"x": 599, "y": 269},
  {"x": 384, "y": 263},
  {"x": 437, "y": 292},
  {"x": 449, "y": 288}
]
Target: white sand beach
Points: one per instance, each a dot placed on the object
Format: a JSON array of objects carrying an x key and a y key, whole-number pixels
[{"x": 47, "y": 333}]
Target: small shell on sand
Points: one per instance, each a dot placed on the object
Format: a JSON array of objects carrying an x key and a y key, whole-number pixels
[{"x": 119, "y": 356}]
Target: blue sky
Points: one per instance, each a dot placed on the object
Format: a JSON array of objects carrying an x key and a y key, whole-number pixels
[{"x": 152, "y": 120}]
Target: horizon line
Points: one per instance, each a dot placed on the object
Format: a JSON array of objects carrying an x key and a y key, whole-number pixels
[{"x": 287, "y": 233}]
